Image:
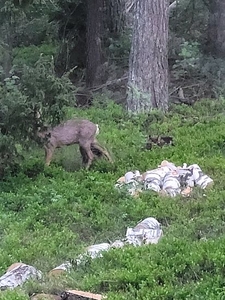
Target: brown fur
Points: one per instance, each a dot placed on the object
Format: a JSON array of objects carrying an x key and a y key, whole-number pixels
[{"x": 82, "y": 132}]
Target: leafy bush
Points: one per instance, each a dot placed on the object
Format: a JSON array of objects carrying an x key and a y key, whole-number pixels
[
  {"x": 188, "y": 65},
  {"x": 192, "y": 63},
  {"x": 119, "y": 48},
  {"x": 14, "y": 295},
  {"x": 213, "y": 69},
  {"x": 9, "y": 162},
  {"x": 38, "y": 91},
  {"x": 29, "y": 55}
]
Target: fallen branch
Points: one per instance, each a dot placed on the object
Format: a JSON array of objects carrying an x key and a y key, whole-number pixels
[
  {"x": 116, "y": 81},
  {"x": 83, "y": 294},
  {"x": 186, "y": 87}
]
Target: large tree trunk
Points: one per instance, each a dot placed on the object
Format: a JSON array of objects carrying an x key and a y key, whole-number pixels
[
  {"x": 216, "y": 28},
  {"x": 94, "y": 37},
  {"x": 148, "y": 67}
]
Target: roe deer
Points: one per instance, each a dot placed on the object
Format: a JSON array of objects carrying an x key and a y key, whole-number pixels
[{"x": 77, "y": 131}]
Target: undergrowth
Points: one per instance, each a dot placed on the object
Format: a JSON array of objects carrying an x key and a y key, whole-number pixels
[{"x": 49, "y": 215}]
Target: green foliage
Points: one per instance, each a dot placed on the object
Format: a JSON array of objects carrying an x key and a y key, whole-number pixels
[
  {"x": 189, "y": 20},
  {"x": 9, "y": 162},
  {"x": 49, "y": 215},
  {"x": 38, "y": 91},
  {"x": 32, "y": 168},
  {"x": 192, "y": 63},
  {"x": 13, "y": 295},
  {"x": 30, "y": 55},
  {"x": 188, "y": 64},
  {"x": 190, "y": 51},
  {"x": 119, "y": 48},
  {"x": 47, "y": 93},
  {"x": 213, "y": 69}
]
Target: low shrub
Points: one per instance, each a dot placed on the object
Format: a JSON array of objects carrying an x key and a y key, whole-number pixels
[{"x": 49, "y": 215}]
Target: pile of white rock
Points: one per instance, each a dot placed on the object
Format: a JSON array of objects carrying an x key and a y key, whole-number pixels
[
  {"x": 167, "y": 179},
  {"x": 147, "y": 231}
]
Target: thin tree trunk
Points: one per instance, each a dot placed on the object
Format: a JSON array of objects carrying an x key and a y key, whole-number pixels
[
  {"x": 148, "y": 66},
  {"x": 216, "y": 28},
  {"x": 7, "y": 48},
  {"x": 116, "y": 15},
  {"x": 94, "y": 48}
]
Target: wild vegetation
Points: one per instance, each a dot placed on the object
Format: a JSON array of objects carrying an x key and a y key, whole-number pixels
[{"x": 48, "y": 215}]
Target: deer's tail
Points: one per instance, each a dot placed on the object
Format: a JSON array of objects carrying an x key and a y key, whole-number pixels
[{"x": 97, "y": 129}]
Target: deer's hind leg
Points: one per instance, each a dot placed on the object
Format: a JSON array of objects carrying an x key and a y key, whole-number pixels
[
  {"x": 99, "y": 148},
  {"x": 84, "y": 155},
  {"x": 87, "y": 155}
]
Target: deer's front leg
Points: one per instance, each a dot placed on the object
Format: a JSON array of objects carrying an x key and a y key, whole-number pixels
[{"x": 48, "y": 154}]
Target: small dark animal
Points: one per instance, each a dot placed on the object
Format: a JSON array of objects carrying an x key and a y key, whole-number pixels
[
  {"x": 82, "y": 132},
  {"x": 159, "y": 141}
]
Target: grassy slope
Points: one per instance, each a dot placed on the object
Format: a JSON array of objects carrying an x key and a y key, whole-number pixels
[{"x": 50, "y": 216}]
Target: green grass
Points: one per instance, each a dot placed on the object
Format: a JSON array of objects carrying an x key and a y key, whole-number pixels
[{"x": 48, "y": 215}]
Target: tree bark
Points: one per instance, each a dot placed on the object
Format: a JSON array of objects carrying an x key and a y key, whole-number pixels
[
  {"x": 148, "y": 66},
  {"x": 94, "y": 36},
  {"x": 116, "y": 15},
  {"x": 6, "y": 43},
  {"x": 216, "y": 28}
]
